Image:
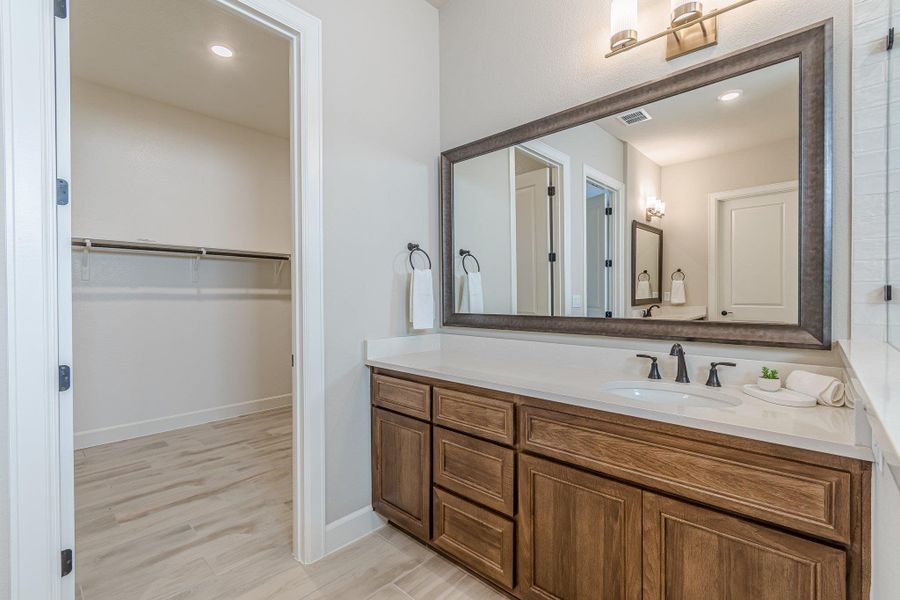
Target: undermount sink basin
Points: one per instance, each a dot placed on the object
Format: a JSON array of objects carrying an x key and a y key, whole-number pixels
[{"x": 670, "y": 393}]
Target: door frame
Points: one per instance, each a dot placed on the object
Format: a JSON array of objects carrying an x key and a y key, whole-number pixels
[
  {"x": 712, "y": 235},
  {"x": 562, "y": 220},
  {"x": 618, "y": 241},
  {"x": 37, "y": 332}
]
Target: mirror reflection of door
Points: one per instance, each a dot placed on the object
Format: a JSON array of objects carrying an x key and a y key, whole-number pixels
[
  {"x": 598, "y": 249},
  {"x": 534, "y": 235},
  {"x": 756, "y": 239}
]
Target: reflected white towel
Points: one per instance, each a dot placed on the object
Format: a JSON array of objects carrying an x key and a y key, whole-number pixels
[
  {"x": 643, "y": 290},
  {"x": 473, "y": 293},
  {"x": 678, "y": 292},
  {"x": 421, "y": 299},
  {"x": 828, "y": 391}
]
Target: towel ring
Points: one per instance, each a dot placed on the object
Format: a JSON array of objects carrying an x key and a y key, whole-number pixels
[
  {"x": 644, "y": 275},
  {"x": 413, "y": 248},
  {"x": 467, "y": 254},
  {"x": 677, "y": 273}
]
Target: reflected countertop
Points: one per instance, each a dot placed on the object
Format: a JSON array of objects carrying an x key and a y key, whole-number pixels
[{"x": 575, "y": 375}]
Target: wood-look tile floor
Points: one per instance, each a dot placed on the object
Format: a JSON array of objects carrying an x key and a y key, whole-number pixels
[{"x": 205, "y": 513}]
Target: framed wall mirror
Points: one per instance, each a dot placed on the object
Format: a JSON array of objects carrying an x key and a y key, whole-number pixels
[{"x": 670, "y": 210}]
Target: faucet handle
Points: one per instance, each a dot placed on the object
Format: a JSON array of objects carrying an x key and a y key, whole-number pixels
[
  {"x": 713, "y": 379},
  {"x": 654, "y": 368}
]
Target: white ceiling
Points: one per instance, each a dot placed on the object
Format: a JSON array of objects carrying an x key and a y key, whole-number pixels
[
  {"x": 697, "y": 125},
  {"x": 160, "y": 49}
]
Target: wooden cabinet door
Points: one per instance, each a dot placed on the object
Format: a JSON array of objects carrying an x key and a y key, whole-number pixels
[
  {"x": 579, "y": 534},
  {"x": 401, "y": 471},
  {"x": 692, "y": 553}
]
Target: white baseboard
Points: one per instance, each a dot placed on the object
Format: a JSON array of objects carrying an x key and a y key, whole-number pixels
[
  {"x": 347, "y": 530},
  {"x": 127, "y": 431}
]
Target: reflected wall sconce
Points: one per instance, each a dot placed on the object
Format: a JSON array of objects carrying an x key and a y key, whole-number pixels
[
  {"x": 655, "y": 208},
  {"x": 689, "y": 29}
]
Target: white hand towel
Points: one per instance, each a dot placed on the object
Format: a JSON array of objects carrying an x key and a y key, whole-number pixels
[
  {"x": 421, "y": 299},
  {"x": 678, "y": 292},
  {"x": 474, "y": 293},
  {"x": 643, "y": 290},
  {"x": 463, "y": 295},
  {"x": 827, "y": 390}
]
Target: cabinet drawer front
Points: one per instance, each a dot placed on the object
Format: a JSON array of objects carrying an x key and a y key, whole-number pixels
[
  {"x": 475, "y": 469},
  {"x": 485, "y": 417},
  {"x": 401, "y": 462},
  {"x": 407, "y": 397},
  {"x": 478, "y": 538},
  {"x": 801, "y": 496},
  {"x": 692, "y": 552}
]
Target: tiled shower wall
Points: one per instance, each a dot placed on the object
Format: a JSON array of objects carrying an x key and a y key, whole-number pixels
[{"x": 876, "y": 173}]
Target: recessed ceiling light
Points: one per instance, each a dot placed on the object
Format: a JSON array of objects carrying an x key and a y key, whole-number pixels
[
  {"x": 731, "y": 95},
  {"x": 223, "y": 51}
]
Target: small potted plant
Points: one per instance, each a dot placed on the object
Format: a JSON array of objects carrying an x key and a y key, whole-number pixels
[{"x": 769, "y": 380}]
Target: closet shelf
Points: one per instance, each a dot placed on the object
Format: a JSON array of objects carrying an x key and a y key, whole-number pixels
[{"x": 171, "y": 249}]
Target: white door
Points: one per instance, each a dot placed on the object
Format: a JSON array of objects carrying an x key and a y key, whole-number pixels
[
  {"x": 533, "y": 243},
  {"x": 757, "y": 254}
]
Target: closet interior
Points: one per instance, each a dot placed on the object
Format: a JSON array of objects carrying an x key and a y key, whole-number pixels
[{"x": 181, "y": 195}]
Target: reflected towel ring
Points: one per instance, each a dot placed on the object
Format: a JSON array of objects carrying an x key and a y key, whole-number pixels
[
  {"x": 677, "y": 273},
  {"x": 467, "y": 254},
  {"x": 644, "y": 275},
  {"x": 413, "y": 248}
]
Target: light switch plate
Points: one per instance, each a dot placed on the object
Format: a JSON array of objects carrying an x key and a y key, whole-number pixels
[{"x": 667, "y": 296}]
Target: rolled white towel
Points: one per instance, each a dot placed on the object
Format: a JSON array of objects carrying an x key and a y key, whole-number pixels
[{"x": 827, "y": 390}]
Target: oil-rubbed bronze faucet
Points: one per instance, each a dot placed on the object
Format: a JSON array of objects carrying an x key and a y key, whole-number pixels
[
  {"x": 649, "y": 312},
  {"x": 682, "y": 376}
]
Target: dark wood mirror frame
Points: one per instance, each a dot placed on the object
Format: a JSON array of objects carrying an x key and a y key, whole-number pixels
[
  {"x": 813, "y": 46},
  {"x": 635, "y": 225}
]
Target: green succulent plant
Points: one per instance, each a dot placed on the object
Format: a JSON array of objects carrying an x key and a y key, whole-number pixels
[{"x": 768, "y": 373}]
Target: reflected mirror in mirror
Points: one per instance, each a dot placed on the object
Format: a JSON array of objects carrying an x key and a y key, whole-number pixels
[{"x": 690, "y": 202}]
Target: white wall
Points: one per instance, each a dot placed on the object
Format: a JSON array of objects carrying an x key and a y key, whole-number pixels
[
  {"x": 5, "y": 416},
  {"x": 559, "y": 63},
  {"x": 686, "y": 188},
  {"x": 147, "y": 170},
  {"x": 643, "y": 179},
  {"x": 153, "y": 350},
  {"x": 381, "y": 128}
]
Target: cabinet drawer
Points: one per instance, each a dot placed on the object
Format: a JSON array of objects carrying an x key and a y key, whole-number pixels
[
  {"x": 407, "y": 397},
  {"x": 797, "y": 495},
  {"x": 478, "y": 538},
  {"x": 475, "y": 469},
  {"x": 485, "y": 417}
]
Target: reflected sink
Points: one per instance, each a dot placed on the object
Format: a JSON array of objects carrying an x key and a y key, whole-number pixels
[{"x": 670, "y": 393}]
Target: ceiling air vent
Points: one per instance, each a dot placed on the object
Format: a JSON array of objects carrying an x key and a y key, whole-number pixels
[{"x": 634, "y": 117}]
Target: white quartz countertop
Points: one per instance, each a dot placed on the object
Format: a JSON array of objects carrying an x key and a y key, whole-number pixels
[{"x": 575, "y": 375}]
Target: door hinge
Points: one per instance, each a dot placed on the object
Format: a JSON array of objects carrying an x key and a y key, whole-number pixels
[
  {"x": 66, "y": 559},
  {"x": 65, "y": 377},
  {"x": 62, "y": 192},
  {"x": 551, "y": 191},
  {"x": 608, "y": 210},
  {"x": 609, "y": 314},
  {"x": 292, "y": 360},
  {"x": 888, "y": 293},
  {"x": 608, "y": 262},
  {"x": 551, "y": 257},
  {"x": 60, "y": 8},
  {"x": 890, "y": 39}
]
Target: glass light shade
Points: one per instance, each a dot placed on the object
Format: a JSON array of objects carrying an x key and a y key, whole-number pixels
[
  {"x": 623, "y": 21},
  {"x": 655, "y": 207},
  {"x": 686, "y": 10}
]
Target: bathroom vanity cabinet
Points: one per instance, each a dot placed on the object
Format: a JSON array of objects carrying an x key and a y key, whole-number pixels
[{"x": 552, "y": 501}]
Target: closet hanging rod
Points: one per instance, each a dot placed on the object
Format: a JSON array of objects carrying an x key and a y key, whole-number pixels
[{"x": 170, "y": 249}]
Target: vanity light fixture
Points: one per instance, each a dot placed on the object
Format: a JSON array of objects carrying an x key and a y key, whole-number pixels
[
  {"x": 655, "y": 208},
  {"x": 221, "y": 51},
  {"x": 731, "y": 95},
  {"x": 690, "y": 30}
]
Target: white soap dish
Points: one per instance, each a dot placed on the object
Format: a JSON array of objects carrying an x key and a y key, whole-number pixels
[{"x": 783, "y": 397}]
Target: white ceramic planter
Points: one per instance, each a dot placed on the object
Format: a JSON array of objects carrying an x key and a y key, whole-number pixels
[{"x": 768, "y": 385}]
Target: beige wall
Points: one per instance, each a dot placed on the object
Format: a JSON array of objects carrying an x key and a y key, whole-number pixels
[
  {"x": 528, "y": 59},
  {"x": 642, "y": 180},
  {"x": 686, "y": 188},
  {"x": 152, "y": 348}
]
